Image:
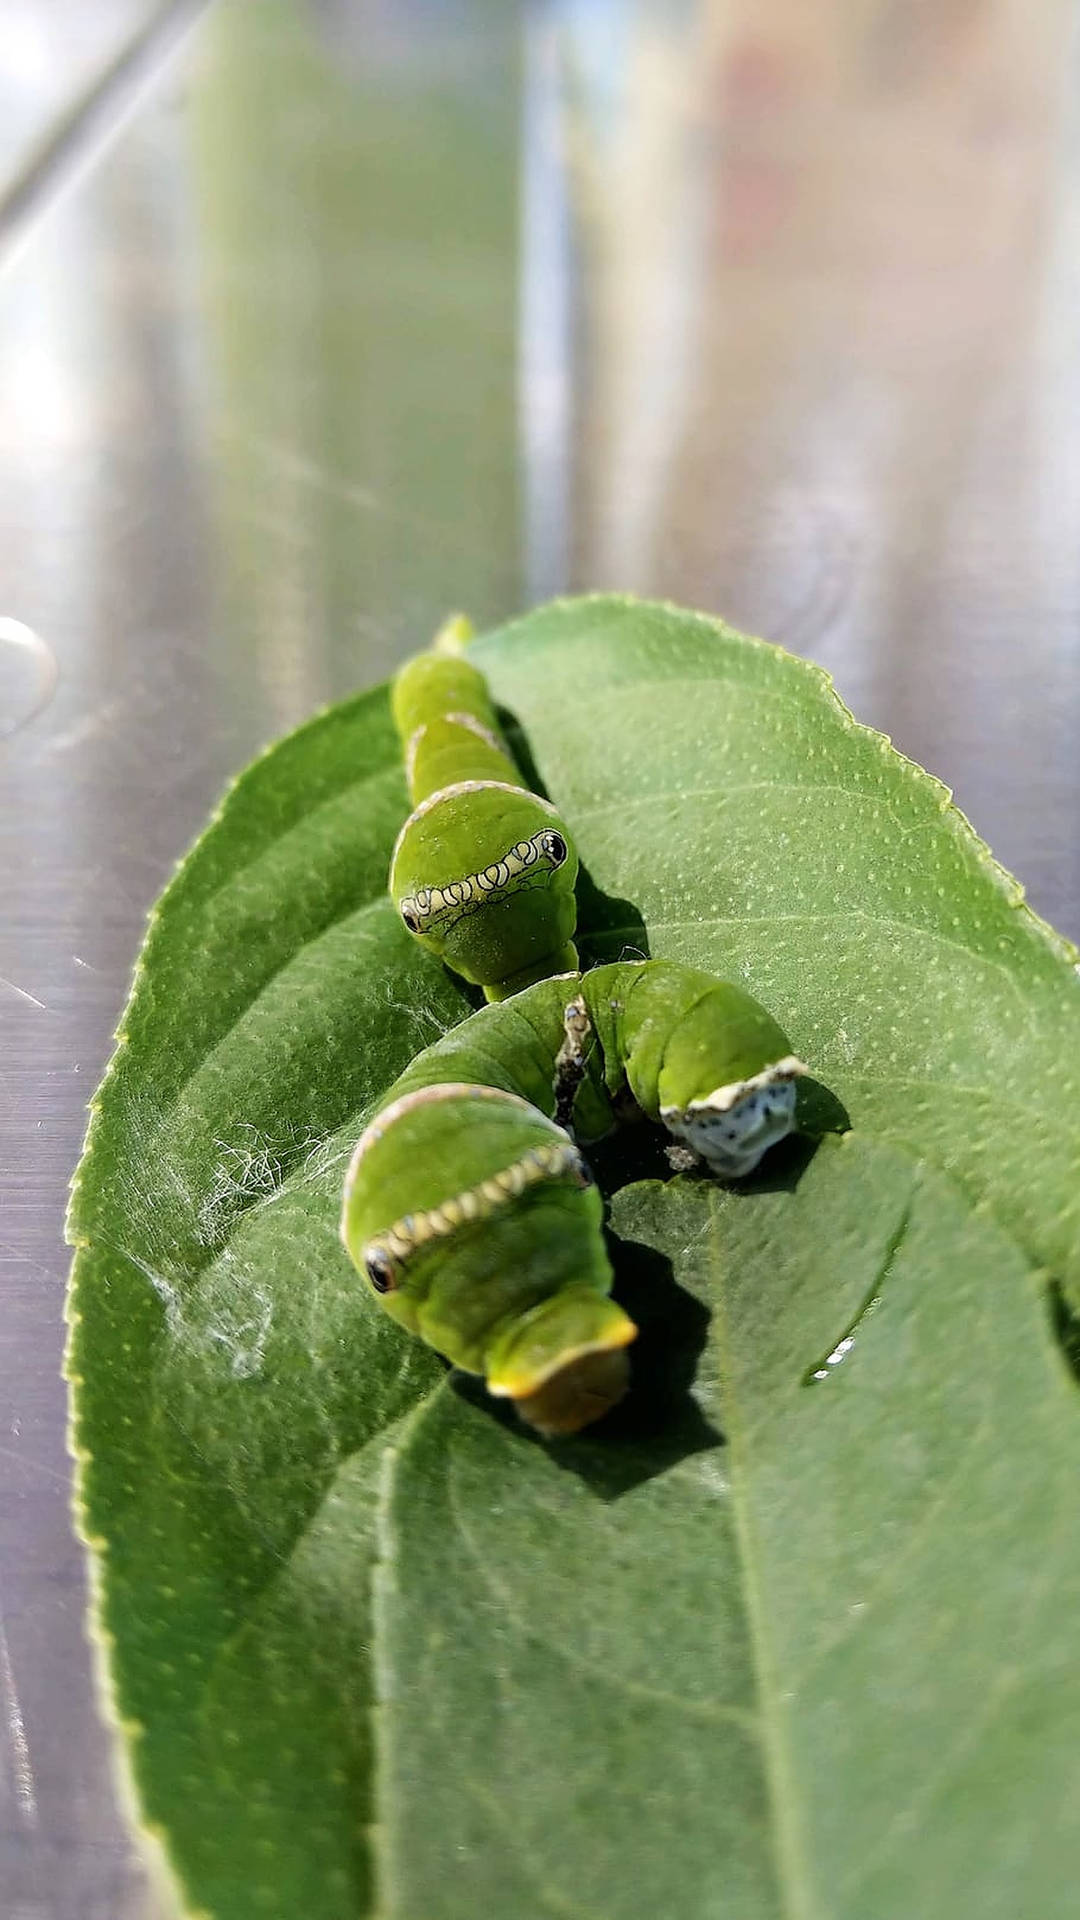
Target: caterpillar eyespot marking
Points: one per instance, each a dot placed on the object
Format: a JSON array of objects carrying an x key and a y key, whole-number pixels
[
  {"x": 446, "y": 906},
  {"x": 380, "y": 1269}
]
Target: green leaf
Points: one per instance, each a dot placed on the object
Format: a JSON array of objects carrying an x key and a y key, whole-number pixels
[{"x": 764, "y": 1644}]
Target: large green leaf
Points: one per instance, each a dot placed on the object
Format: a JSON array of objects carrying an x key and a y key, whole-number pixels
[{"x": 792, "y": 1634}]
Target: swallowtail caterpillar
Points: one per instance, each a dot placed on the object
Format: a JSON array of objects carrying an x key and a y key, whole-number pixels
[
  {"x": 483, "y": 870},
  {"x": 468, "y": 1205}
]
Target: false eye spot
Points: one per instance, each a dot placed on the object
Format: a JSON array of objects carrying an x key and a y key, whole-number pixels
[
  {"x": 411, "y": 919},
  {"x": 380, "y": 1270},
  {"x": 555, "y": 848}
]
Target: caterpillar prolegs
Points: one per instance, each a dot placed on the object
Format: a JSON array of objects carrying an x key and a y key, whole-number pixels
[
  {"x": 468, "y": 1204},
  {"x": 483, "y": 870}
]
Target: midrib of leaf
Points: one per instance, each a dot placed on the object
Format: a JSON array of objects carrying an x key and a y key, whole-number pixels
[
  {"x": 382, "y": 1590},
  {"x": 792, "y": 1855}
]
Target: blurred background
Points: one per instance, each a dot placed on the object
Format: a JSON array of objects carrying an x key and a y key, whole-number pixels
[{"x": 321, "y": 317}]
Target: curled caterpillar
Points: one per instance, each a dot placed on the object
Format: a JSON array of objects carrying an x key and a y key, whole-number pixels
[
  {"x": 468, "y": 1205},
  {"x": 483, "y": 870}
]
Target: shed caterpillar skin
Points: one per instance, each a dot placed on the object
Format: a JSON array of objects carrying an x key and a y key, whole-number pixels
[
  {"x": 483, "y": 870},
  {"x": 469, "y": 1208}
]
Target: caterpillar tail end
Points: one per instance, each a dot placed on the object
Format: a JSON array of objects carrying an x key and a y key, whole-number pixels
[
  {"x": 565, "y": 1364},
  {"x": 454, "y": 635}
]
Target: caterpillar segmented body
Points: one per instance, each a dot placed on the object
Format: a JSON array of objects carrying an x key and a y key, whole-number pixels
[
  {"x": 468, "y": 1205},
  {"x": 483, "y": 870}
]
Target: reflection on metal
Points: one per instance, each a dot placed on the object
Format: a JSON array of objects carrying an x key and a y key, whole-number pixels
[
  {"x": 614, "y": 245},
  {"x": 642, "y": 167},
  {"x": 798, "y": 343},
  {"x": 28, "y": 674},
  {"x": 545, "y": 342},
  {"x": 93, "y": 121},
  {"x": 31, "y": 999},
  {"x": 1056, "y": 372},
  {"x": 356, "y": 320}
]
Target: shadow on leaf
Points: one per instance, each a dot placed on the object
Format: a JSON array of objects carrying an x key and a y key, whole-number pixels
[
  {"x": 659, "y": 1422},
  {"x": 608, "y": 928},
  {"x": 1065, "y": 1324},
  {"x": 518, "y": 742},
  {"x": 817, "y": 1109}
]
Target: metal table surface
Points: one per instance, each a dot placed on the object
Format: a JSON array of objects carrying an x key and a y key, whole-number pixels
[{"x": 346, "y": 314}]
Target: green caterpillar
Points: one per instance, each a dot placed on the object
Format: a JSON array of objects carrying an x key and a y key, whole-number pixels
[
  {"x": 468, "y": 1205},
  {"x": 483, "y": 870}
]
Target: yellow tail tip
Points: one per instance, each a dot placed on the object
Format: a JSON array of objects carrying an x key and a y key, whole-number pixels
[
  {"x": 565, "y": 1363},
  {"x": 578, "y": 1393}
]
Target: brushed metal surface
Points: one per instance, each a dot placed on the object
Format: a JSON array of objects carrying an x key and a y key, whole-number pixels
[
  {"x": 375, "y": 311},
  {"x": 50, "y": 51}
]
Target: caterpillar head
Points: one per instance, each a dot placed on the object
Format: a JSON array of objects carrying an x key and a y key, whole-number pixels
[
  {"x": 476, "y": 1225},
  {"x": 483, "y": 876},
  {"x": 565, "y": 1363}
]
